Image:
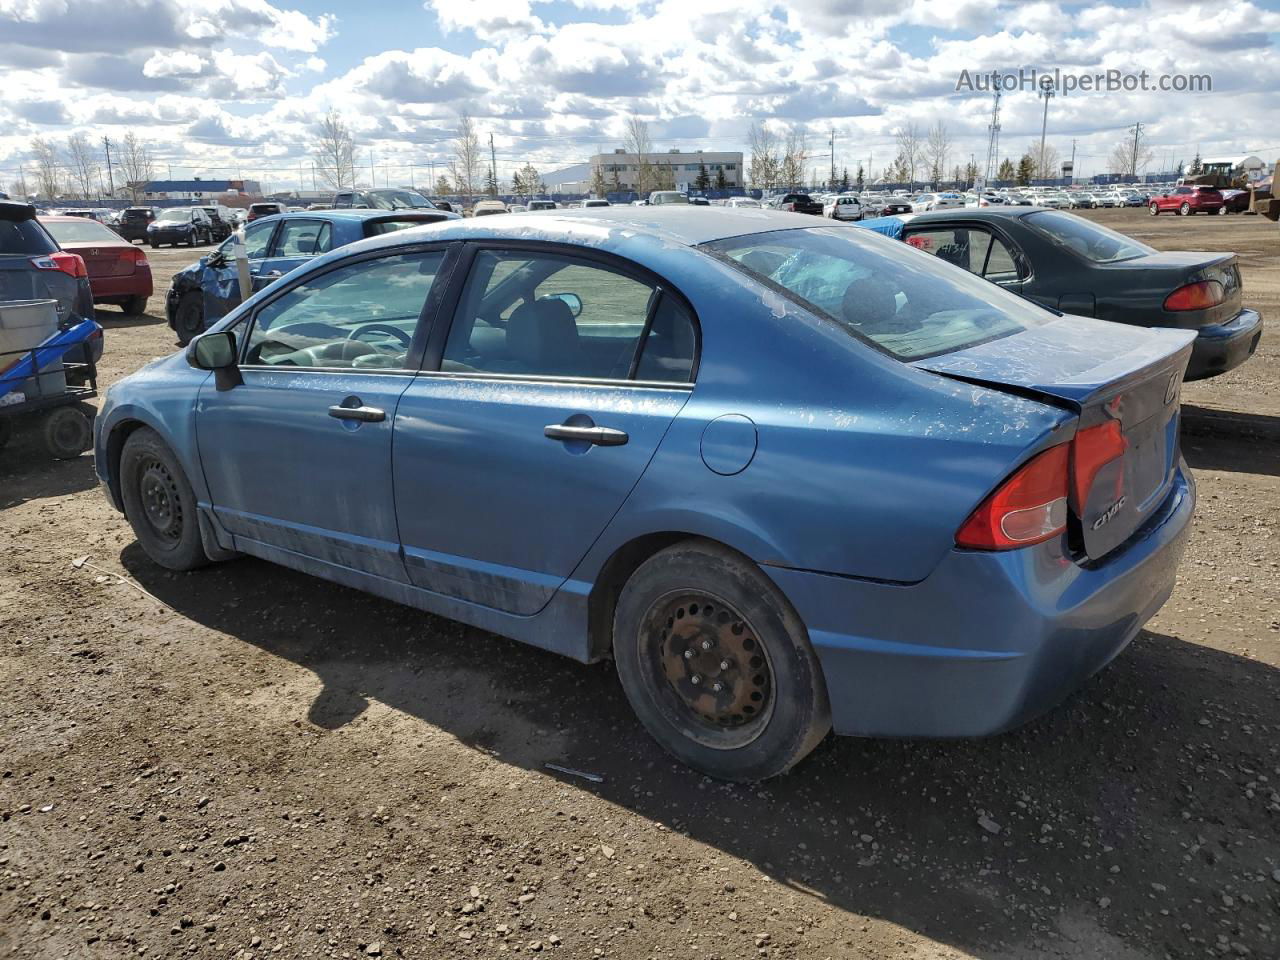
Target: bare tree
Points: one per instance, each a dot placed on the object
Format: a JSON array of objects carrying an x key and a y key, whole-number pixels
[
  {"x": 1045, "y": 162},
  {"x": 909, "y": 147},
  {"x": 335, "y": 152},
  {"x": 48, "y": 167},
  {"x": 466, "y": 163},
  {"x": 795, "y": 153},
  {"x": 938, "y": 151},
  {"x": 636, "y": 141},
  {"x": 18, "y": 187},
  {"x": 764, "y": 156},
  {"x": 136, "y": 165},
  {"x": 82, "y": 165},
  {"x": 1131, "y": 155},
  {"x": 598, "y": 186}
]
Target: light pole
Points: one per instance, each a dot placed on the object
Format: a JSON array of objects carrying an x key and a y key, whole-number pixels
[{"x": 1046, "y": 91}]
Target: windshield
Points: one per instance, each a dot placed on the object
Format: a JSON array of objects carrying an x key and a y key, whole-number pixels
[
  {"x": 81, "y": 231},
  {"x": 399, "y": 200},
  {"x": 174, "y": 215},
  {"x": 1086, "y": 238},
  {"x": 907, "y": 302}
]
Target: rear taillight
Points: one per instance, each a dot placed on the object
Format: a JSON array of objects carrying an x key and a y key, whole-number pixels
[
  {"x": 71, "y": 264},
  {"x": 1091, "y": 450},
  {"x": 1030, "y": 507},
  {"x": 139, "y": 258},
  {"x": 1196, "y": 296}
]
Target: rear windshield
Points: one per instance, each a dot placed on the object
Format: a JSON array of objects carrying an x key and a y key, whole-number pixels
[
  {"x": 24, "y": 237},
  {"x": 135, "y": 215},
  {"x": 906, "y": 302},
  {"x": 1086, "y": 238},
  {"x": 378, "y": 228},
  {"x": 399, "y": 200},
  {"x": 265, "y": 208},
  {"x": 81, "y": 231},
  {"x": 174, "y": 215}
]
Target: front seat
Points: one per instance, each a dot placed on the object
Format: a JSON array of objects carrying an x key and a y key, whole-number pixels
[{"x": 542, "y": 338}]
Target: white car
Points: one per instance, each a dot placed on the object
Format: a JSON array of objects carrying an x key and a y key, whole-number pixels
[
  {"x": 516, "y": 208},
  {"x": 844, "y": 207},
  {"x": 743, "y": 202},
  {"x": 661, "y": 197},
  {"x": 541, "y": 205},
  {"x": 595, "y": 202},
  {"x": 936, "y": 201}
]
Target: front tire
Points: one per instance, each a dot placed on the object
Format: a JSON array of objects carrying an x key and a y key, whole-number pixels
[
  {"x": 159, "y": 502},
  {"x": 1184, "y": 210},
  {"x": 1155, "y": 210},
  {"x": 188, "y": 319},
  {"x": 1222, "y": 211},
  {"x": 717, "y": 665}
]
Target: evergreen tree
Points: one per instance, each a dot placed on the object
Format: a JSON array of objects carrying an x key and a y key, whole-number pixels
[
  {"x": 443, "y": 187},
  {"x": 598, "y": 186},
  {"x": 1006, "y": 171},
  {"x": 1026, "y": 169},
  {"x": 844, "y": 179},
  {"x": 1197, "y": 165},
  {"x": 703, "y": 180},
  {"x": 860, "y": 179},
  {"x": 721, "y": 182}
]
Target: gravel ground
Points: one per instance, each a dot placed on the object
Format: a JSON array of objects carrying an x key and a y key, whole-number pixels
[{"x": 244, "y": 762}]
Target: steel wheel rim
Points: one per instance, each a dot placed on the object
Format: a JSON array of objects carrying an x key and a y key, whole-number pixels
[
  {"x": 67, "y": 433},
  {"x": 161, "y": 504},
  {"x": 710, "y": 673}
]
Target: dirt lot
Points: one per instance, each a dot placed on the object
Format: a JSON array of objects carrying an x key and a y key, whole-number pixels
[{"x": 259, "y": 764}]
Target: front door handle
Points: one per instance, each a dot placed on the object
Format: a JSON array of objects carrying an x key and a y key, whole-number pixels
[
  {"x": 363, "y": 414},
  {"x": 600, "y": 436}
]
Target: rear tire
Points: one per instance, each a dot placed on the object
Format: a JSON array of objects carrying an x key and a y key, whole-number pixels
[
  {"x": 717, "y": 665},
  {"x": 159, "y": 502},
  {"x": 154, "y": 245},
  {"x": 135, "y": 306},
  {"x": 67, "y": 432},
  {"x": 1222, "y": 211},
  {"x": 188, "y": 318}
]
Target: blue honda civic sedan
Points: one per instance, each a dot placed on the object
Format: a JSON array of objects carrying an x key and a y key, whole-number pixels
[{"x": 791, "y": 476}]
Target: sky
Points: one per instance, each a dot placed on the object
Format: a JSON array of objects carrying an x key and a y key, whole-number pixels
[{"x": 227, "y": 88}]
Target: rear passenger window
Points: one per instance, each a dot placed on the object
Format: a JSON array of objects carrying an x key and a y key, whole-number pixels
[
  {"x": 973, "y": 249},
  {"x": 535, "y": 314},
  {"x": 300, "y": 238}
]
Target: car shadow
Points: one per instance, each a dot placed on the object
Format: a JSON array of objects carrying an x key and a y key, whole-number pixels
[
  {"x": 119, "y": 320},
  {"x": 1233, "y": 454},
  {"x": 1137, "y": 775},
  {"x": 28, "y": 473}
]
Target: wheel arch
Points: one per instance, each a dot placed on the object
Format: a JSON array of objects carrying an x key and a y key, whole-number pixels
[
  {"x": 602, "y": 601},
  {"x": 113, "y": 449}
]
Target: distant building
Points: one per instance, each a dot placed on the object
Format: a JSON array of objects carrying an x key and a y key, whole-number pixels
[
  {"x": 198, "y": 189},
  {"x": 622, "y": 169}
]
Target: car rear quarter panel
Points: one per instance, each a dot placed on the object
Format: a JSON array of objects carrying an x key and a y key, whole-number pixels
[{"x": 863, "y": 466}]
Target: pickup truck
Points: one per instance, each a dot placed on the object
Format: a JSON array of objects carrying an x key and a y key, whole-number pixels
[{"x": 800, "y": 203}]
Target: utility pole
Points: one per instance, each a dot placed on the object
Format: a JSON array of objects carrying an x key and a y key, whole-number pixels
[
  {"x": 373, "y": 177},
  {"x": 833, "y": 157},
  {"x": 111, "y": 185},
  {"x": 493, "y": 165},
  {"x": 1137, "y": 133}
]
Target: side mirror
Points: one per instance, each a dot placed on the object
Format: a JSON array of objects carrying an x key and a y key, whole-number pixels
[
  {"x": 216, "y": 352},
  {"x": 573, "y": 301}
]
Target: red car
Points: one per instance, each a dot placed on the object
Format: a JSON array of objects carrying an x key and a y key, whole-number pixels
[
  {"x": 119, "y": 272},
  {"x": 1187, "y": 200}
]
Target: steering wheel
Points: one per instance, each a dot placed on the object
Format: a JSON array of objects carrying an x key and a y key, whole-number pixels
[{"x": 405, "y": 339}]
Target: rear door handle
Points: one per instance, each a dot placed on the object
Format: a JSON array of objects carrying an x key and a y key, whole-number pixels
[
  {"x": 600, "y": 436},
  {"x": 363, "y": 414}
]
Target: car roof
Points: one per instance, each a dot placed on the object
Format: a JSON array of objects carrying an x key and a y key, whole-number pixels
[
  {"x": 359, "y": 213},
  {"x": 977, "y": 213},
  {"x": 677, "y": 223}
]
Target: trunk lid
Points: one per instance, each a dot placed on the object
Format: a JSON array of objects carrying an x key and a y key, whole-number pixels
[
  {"x": 1105, "y": 372},
  {"x": 1157, "y": 275},
  {"x": 104, "y": 261}
]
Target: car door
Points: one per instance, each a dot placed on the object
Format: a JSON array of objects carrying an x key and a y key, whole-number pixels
[
  {"x": 297, "y": 457},
  {"x": 297, "y": 240},
  {"x": 220, "y": 285},
  {"x": 559, "y": 375},
  {"x": 975, "y": 248}
]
